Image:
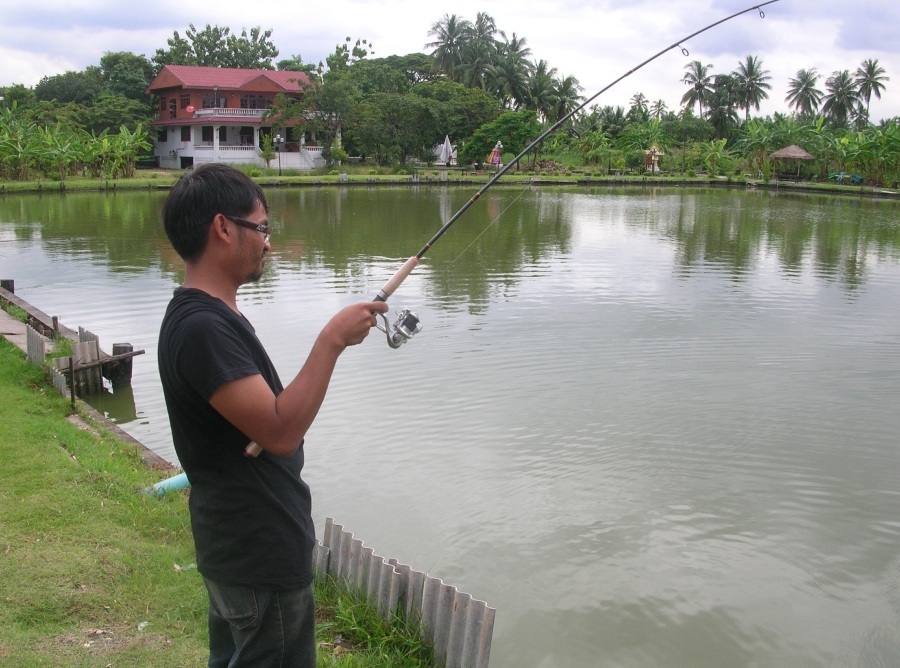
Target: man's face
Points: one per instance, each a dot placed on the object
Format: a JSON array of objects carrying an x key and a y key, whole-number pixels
[{"x": 254, "y": 245}]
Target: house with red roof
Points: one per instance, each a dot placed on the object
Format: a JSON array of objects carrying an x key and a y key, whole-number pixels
[{"x": 216, "y": 114}]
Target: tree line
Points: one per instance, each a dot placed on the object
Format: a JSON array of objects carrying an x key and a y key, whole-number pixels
[{"x": 478, "y": 85}]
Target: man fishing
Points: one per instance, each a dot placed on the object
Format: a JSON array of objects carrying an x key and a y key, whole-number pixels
[{"x": 250, "y": 516}]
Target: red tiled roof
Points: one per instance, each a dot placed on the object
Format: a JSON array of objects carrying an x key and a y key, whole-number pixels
[{"x": 224, "y": 78}]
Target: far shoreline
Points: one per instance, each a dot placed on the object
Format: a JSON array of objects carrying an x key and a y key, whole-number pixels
[{"x": 437, "y": 176}]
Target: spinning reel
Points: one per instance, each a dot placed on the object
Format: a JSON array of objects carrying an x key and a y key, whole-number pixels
[{"x": 404, "y": 328}]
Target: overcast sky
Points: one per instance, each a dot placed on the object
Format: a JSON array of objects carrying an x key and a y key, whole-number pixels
[{"x": 595, "y": 41}]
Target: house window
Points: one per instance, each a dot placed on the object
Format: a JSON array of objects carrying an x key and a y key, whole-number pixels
[
  {"x": 162, "y": 135},
  {"x": 213, "y": 101},
  {"x": 185, "y": 101},
  {"x": 172, "y": 110},
  {"x": 255, "y": 101},
  {"x": 206, "y": 133},
  {"x": 163, "y": 105},
  {"x": 223, "y": 134},
  {"x": 185, "y": 133},
  {"x": 246, "y": 135}
]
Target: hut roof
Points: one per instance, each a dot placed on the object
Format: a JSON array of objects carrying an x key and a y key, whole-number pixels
[{"x": 792, "y": 152}]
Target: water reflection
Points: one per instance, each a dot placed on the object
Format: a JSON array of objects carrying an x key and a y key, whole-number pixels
[
  {"x": 652, "y": 427},
  {"x": 342, "y": 230}
]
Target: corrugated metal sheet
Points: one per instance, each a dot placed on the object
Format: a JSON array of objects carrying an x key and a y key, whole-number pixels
[{"x": 457, "y": 626}]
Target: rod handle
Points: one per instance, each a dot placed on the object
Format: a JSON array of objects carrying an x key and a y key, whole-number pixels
[
  {"x": 253, "y": 449},
  {"x": 394, "y": 281}
]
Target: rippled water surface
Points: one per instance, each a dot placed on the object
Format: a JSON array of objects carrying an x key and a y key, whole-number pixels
[{"x": 651, "y": 427}]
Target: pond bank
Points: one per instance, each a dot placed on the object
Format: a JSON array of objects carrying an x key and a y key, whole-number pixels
[
  {"x": 163, "y": 180},
  {"x": 398, "y": 593}
]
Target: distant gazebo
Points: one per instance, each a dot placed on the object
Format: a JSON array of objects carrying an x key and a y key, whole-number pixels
[{"x": 792, "y": 153}]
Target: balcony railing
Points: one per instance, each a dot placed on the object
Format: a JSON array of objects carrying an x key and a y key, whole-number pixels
[
  {"x": 222, "y": 111},
  {"x": 223, "y": 147}
]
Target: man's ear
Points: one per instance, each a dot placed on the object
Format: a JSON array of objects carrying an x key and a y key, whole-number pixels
[{"x": 220, "y": 229}]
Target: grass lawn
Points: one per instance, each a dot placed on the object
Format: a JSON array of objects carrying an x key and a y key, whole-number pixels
[{"x": 95, "y": 573}]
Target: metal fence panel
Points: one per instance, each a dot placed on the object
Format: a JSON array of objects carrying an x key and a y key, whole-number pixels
[{"x": 457, "y": 627}]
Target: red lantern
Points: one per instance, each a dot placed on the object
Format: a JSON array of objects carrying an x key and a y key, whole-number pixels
[{"x": 189, "y": 109}]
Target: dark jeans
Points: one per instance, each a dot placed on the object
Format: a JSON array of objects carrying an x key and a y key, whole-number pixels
[{"x": 260, "y": 628}]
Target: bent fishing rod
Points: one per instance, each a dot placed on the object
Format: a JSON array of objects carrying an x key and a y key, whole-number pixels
[{"x": 407, "y": 323}]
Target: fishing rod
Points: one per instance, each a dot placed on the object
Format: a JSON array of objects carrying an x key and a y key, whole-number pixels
[{"x": 407, "y": 324}]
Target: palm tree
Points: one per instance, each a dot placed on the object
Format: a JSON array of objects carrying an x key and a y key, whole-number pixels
[
  {"x": 567, "y": 94},
  {"x": 638, "y": 113},
  {"x": 479, "y": 51},
  {"x": 752, "y": 83},
  {"x": 699, "y": 78},
  {"x": 658, "y": 109},
  {"x": 541, "y": 89},
  {"x": 803, "y": 94},
  {"x": 451, "y": 33},
  {"x": 842, "y": 99},
  {"x": 508, "y": 76},
  {"x": 611, "y": 120},
  {"x": 870, "y": 78},
  {"x": 722, "y": 102}
]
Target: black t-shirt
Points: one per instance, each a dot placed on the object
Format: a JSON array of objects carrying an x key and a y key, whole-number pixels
[{"x": 250, "y": 516}]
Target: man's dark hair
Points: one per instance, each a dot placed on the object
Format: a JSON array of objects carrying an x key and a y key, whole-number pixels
[{"x": 196, "y": 199}]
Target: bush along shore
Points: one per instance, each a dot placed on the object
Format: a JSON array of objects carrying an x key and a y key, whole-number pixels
[{"x": 97, "y": 573}]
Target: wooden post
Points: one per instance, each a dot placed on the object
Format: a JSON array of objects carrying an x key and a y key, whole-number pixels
[
  {"x": 72, "y": 379},
  {"x": 119, "y": 373},
  {"x": 8, "y": 284}
]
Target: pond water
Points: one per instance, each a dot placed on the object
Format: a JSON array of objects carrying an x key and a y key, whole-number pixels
[{"x": 652, "y": 427}]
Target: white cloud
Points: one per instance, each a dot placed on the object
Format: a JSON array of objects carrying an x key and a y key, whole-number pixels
[{"x": 594, "y": 41}]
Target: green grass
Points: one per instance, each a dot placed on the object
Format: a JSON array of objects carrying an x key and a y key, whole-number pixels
[
  {"x": 359, "y": 637},
  {"x": 16, "y": 312},
  {"x": 96, "y": 573}
]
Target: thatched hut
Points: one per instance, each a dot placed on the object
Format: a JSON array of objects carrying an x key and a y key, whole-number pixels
[{"x": 792, "y": 153}]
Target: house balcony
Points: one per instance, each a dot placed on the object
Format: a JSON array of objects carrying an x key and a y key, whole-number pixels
[{"x": 224, "y": 112}]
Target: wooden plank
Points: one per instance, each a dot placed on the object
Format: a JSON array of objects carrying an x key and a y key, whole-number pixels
[{"x": 36, "y": 345}]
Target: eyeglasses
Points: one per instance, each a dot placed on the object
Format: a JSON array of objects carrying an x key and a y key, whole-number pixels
[{"x": 250, "y": 225}]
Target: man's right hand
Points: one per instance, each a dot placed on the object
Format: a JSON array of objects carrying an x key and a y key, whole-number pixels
[{"x": 352, "y": 324}]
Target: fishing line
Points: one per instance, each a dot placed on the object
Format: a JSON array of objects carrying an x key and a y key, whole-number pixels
[
  {"x": 491, "y": 224},
  {"x": 408, "y": 323}
]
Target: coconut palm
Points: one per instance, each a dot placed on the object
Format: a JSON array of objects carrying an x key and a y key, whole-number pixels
[
  {"x": 567, "y": 96},
  {"x": 803, "y": 94},
  {"x": 870, "y": 77},
  {"x": 479, "y": 51},
  {"x": 542, "y": 89},
  {"x": 842, "y": 99},
  {"x": 451, "y": 33},
  {"x": 699, "y": 78},
  {"x": 639, "y": 107},
  {"x": 611, "y": 120},
  {"x": 751, "y": 81},
  {"x": 658, "y": 109},
  {"x": 508, "y": 76},
  {"x": 722, "y": 103}
]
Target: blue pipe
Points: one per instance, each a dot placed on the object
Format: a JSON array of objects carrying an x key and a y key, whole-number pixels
[{"x": 176, "y": 482}]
